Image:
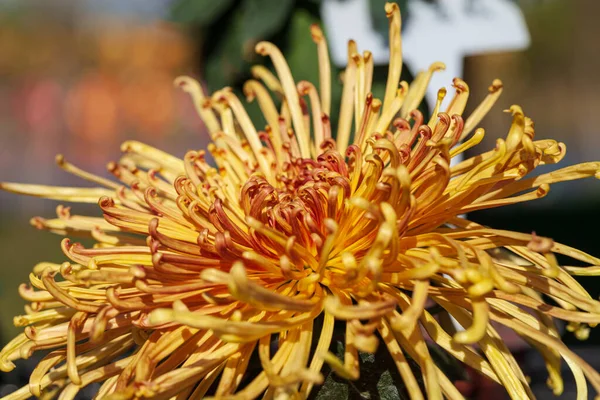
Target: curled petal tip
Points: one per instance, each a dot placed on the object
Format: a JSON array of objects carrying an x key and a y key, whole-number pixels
[
  {"x": 179, "y": 306},
  {"x": 437, "y": 66},
  {"x": 316, "y": 33},
  {"x": 186, "y": 83},
  {"x": 391, "y": 8},
  {"x": 515, "y": 110},
  {"x": 160, "y": 316},
  {"x": 495, "y": 86},
  {"x": 262, "y": 48},
  {"x": 460, "y": 85}
]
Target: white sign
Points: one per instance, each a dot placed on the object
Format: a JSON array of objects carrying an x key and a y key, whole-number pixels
[{"x": 446, "y": 31}]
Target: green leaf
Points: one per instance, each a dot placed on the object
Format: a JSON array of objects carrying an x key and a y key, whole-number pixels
[
  {"x": 199, "y": 12},
  {"x": 386, "y": 387},
  {"x": 301, "y": 51},
  {"x": 334, "y": 387},
  {"x": 225, "y": 63},
  {"x": 264, "y": 18}
]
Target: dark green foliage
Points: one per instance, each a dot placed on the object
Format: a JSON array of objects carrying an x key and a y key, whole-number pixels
[
  {"x": 263, "y": 18},
  {"x": 199, "y": 12},
  {"x": 229, "y": 29}
]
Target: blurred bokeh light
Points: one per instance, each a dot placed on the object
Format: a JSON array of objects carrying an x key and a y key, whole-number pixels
[{"x": 79, "y": 78}]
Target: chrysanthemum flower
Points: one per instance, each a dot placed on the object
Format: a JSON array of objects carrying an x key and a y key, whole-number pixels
[{"x": 196, "y": 268}]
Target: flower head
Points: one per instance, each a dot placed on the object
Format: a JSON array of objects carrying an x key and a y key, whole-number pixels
[{"x": 196, "y": 268}]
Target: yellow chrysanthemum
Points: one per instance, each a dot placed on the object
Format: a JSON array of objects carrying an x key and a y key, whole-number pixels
[{"x": 197, "y": 268}]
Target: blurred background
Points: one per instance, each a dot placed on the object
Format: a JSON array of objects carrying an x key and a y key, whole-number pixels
[{"x": 80, "y": 77}]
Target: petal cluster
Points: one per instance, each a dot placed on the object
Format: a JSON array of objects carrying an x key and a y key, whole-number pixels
[{"x": 201, "y": 270}]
